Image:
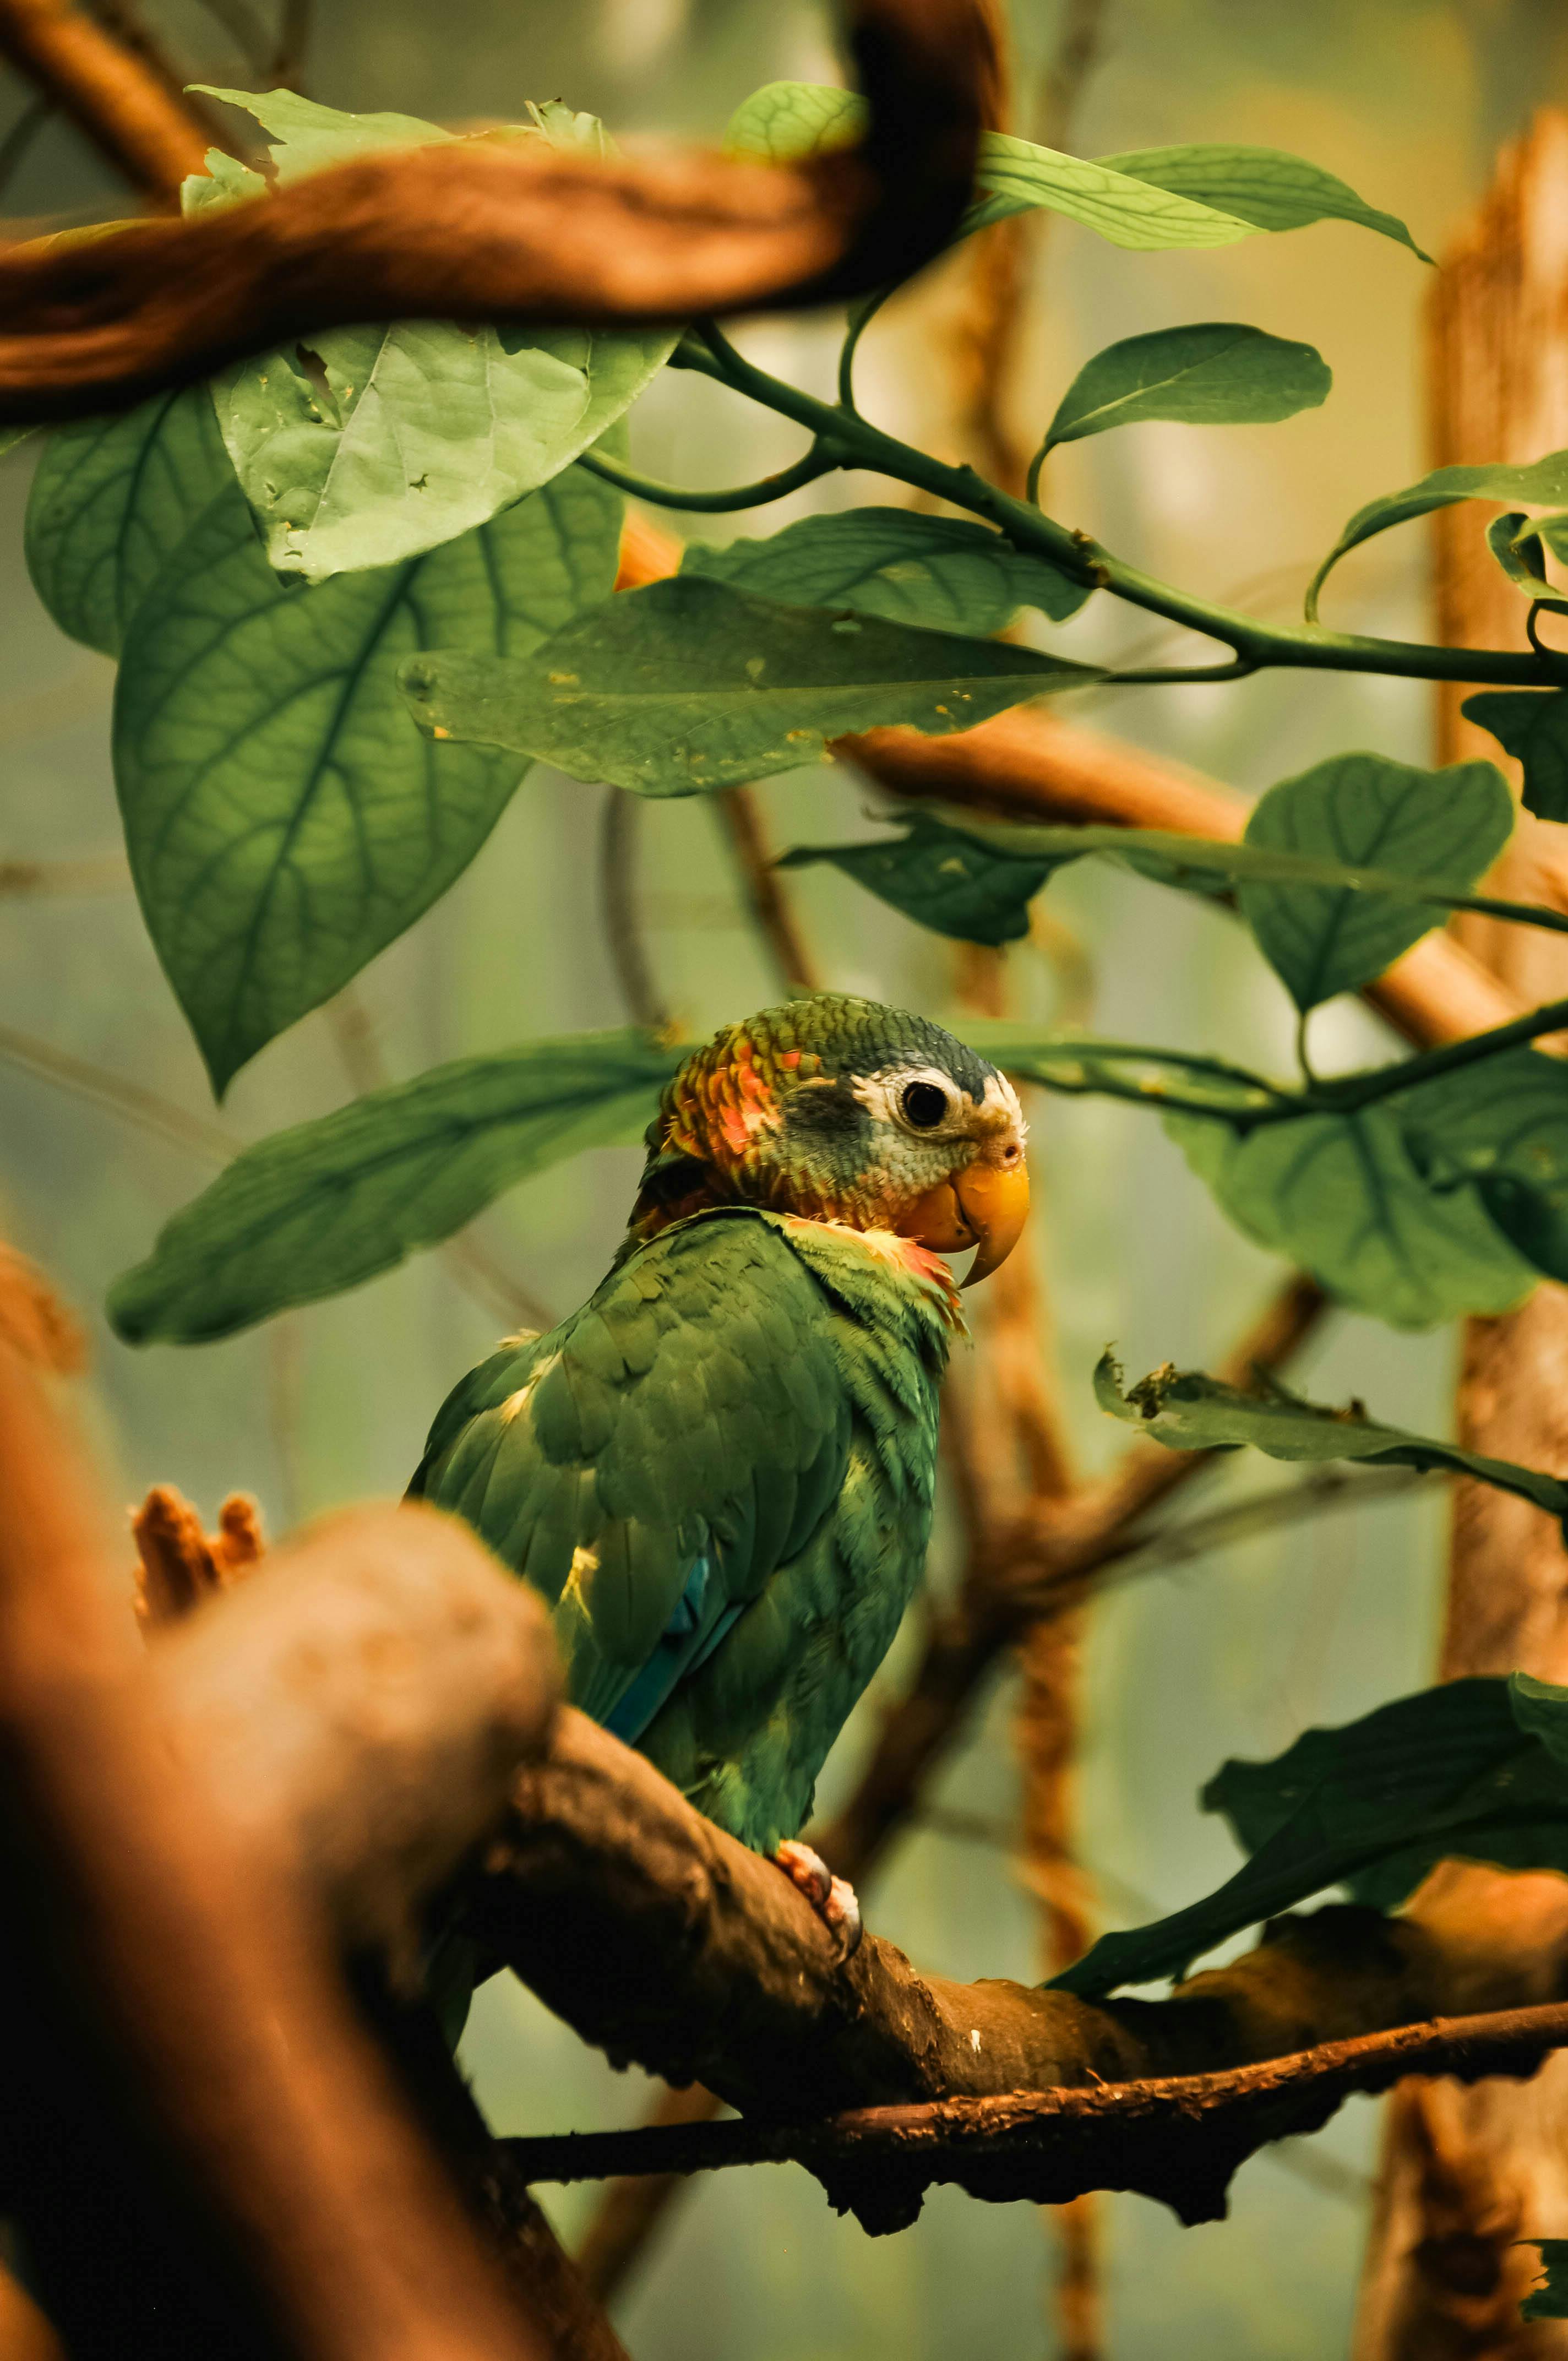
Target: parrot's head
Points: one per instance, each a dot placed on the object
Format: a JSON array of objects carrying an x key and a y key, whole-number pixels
[{"x": 839, "y": 1110}]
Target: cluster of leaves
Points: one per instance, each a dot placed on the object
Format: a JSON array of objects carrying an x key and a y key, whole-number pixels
[{"x": 418, "y": 525}]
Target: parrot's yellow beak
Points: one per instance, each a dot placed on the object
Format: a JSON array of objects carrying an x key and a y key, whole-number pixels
[{"x": 985, "y": 1205}]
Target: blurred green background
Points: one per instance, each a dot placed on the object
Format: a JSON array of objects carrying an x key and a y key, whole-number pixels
[{"x": 1406, "y": 99}]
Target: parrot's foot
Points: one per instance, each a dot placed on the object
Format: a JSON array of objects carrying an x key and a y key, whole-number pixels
[{"x": 833, "y": 1898}]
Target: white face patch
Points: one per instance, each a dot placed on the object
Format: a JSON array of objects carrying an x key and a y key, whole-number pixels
[{"x": 997, "y": 1110}]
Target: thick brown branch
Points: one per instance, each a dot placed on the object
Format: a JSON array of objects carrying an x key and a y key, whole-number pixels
[
  {"x": 662, "y": 1939},
  {"x": 141, "y": 1925},
  {"x": 118, "y": 99},
  {"x": 477, "y": 230}
]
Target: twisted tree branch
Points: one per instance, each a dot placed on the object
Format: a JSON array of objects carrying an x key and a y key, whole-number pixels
[{"x": 474, "y": 230}]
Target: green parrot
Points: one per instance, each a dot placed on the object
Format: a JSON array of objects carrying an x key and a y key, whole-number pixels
[{"x": 719, "y": 1471}]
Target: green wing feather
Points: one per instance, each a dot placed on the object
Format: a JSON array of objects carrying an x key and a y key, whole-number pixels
[{"x": 697, "y": 1402}]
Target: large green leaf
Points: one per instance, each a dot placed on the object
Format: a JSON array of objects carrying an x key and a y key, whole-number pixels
[
  {"x": 110, "y": 499},
  {"x": 688, "y": 685},
  {"x": 1502, "y": 1124},
  {"x": 1444, "y": 828},
  {"x": 953, "y": 882},
  {"x": 386, "y": 441},
  {"x": 313, "y": 1211},
  {"x": 1265, "y": 186},
  {"x": 1542, "y": 480},
  {"x": 1340, "y": 1195},
  {"x": 1188, "y": 1411},
  {"x": 284, "y": 822},
  {"x": 1215, "y": 373},
  {"x": 1375, "y": 1805},
  {"x": 1532, "y": 724},
  {"x": 944, "y": 572}
]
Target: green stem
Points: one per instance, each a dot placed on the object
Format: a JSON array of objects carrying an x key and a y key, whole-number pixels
[
  {"x": 817, "y": 462},
  {"x": 1254, "y": 644},
  {"x": 1352, "y": 1091}
]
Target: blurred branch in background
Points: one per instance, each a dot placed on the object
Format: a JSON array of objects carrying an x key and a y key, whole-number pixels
[
  {"x": 1468, "y": 2172},
  {"x": 130, "y": 109}
]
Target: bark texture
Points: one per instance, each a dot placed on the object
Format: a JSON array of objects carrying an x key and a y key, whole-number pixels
[{"x": 1467, "y": 2172}]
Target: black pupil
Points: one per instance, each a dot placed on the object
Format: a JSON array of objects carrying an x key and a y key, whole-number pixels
[{"x": 924, "y": 1105}]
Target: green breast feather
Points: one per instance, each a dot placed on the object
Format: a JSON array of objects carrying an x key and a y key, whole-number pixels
[{"x": 719, "y": 1474}]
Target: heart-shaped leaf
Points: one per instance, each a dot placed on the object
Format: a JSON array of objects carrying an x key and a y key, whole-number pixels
[
  {"x": 284, "y": 822},
  {"x": 1445, "y": 827}
]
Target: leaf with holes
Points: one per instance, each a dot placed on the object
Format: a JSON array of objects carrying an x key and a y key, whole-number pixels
[
  {"x": 329, "y": 1204},
  {"x": 1341, "y": 1196},
  {"x": 945, "y": 574},
  {"x": 1187, "y": 1410},
  {"x": 377, "y": 443},
  {"x": 1216, "y": 373},
  {"x": 689, "y": 686},
  {"x": 284, "y": 822},
  {"x": 1444, "y": 828},
  {"x": 1544, "y": 480},
  {"x": 1531, "y": 724},
  {"x": 1455, "y": 1771}
]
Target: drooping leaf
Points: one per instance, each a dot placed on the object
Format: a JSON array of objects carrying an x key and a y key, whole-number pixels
[
  {"x": 1265, "y": 186},
  {"x": 380, "y": 442},
  {"x": 688, "y": 686},
  {"x": 1375, "y": 1805},
  {"x": 1188, "y": 1411},
  {"x": 1532, "y": 724},
  {"x": 1542, "y": 480},
  {"x": 785, "y": 121},
  {"x": 1516, "y": 546},
  {"x": 1549, "y": 2299},
  {"x": 313, "y": 1211},
  {"x": 1215, "y": 373},
  {"x": 1502, "y": 1125},
  {"x": 1446, "y": 827},
  {"x": 1341, "y": 1196},
  {"x": 284, "y": 822},
  {"x": 942, "y": 877},
  {"x": 110, "y": 498},
  {"x": 946, "y": 574}
]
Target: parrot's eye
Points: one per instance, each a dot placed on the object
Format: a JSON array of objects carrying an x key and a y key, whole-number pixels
[{"x": 923, "y": 1105}]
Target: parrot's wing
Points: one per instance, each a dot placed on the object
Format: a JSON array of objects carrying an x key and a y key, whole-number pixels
[{"x": 650, "y": 1462}]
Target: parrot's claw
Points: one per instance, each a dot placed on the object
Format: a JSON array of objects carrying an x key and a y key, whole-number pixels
[{"x": 834, "y": 1899}]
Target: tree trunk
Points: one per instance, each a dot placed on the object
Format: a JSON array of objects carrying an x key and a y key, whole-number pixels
[{"x": 1468, "y": 2172}]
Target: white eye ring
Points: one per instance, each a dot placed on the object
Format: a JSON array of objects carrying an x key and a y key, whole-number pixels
[{"x": 925, "y": 1102}]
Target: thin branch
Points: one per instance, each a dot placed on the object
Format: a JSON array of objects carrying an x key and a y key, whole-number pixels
[
  {"x": 476, "y": 231},
  {"x": 772, "y": 910},
  {"x": 1179, "y": 2138},
  {"x": 620, "y": 828},
  {"x": 124, "y": 105},
  {"x": 146, "y": 1109}
]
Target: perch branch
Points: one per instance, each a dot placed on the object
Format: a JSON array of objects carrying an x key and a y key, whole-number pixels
[
  {"x": 132, "y": 1898},
  {"x": 478, "y": 230},
  {"x": 121, "y": 104},
  {"x": 658, "y": 1936}
]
